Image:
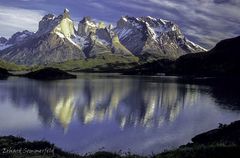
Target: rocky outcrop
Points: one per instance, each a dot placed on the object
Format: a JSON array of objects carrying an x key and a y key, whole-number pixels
[
  {"x": 226, "y": 134},
  {"x": 3, "y": 73},
  {"x": 49, "y": 74},
  {"x": 19, "y": 37},
  {"x": 86, "y": 26},
  {"x": 3, "y": 40},
  {"x": 3, "y": 43}
]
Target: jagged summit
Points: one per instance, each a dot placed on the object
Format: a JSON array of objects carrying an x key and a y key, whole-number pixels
[
  {"x": 147, "y": 35},
  {"x": 86, "y": 19},
  {"x": 47, "y": 23},
  {"x": 86, "y": 26},
  {"x": 66, "y": 26},
  {"x": 19, "y": 37},
  {"x": 57, "y": 40},
  {"x": 3, "y": 40},
  {"x": 52, "y": 43},
  {"x": 15, "y": 39},
  {"x": 66, "y": 13},
  {"x": 3, "y": 43}
]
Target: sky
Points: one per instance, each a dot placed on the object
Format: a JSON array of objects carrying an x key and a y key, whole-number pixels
[{"x": 205, "y": 22}]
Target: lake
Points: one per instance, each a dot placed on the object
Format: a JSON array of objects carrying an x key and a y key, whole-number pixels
[{"x": 110, "y": 112}]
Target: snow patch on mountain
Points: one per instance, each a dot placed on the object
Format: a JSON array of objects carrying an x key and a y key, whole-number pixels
[
  {"x": 60, "y": 34},
  {"x": 80, "y": 41},
  {"x": 123, "y": 33},
  {"x": 153, "y": 32},
  {"x": 91, "y": 24},
  {"x": 4, "y": 46},
  {"x": 103, "y": 42},
  {"x": 19, "y": 37},
  {"x": 195, "y": 45}
]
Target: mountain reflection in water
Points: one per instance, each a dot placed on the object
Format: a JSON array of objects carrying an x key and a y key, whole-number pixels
[
  {"x": 129, "y": 102},
  {"x": 141, "y": 114}
]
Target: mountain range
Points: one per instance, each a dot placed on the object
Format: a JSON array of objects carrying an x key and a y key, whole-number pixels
[
  {"x": 131, "y": 40},
  {"x": 222, "y": 60}
]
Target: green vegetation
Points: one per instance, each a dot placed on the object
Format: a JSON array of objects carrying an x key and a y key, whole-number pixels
[
  {"x": 119, "y": 47},
  {"x": 49, "y": 74},
  {"x": 12, "y": 66},
  {"x": 152, "y": 68},
  {"x": 17, "y": 147},
  {"x": 202, "y": 151},
  {"x": 103, "y": 62},
  {"x": 99, "y": 63},
  {"x": 218, "y": 143}
]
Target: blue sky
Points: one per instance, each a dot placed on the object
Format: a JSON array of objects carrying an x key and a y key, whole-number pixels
[{"x": 203, "y": 21}]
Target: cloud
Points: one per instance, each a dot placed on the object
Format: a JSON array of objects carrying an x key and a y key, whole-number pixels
[
  {"x": 212, "y": 20},
  {"x": 16, "y": 19},
  {"x": 203, "y": 21}
]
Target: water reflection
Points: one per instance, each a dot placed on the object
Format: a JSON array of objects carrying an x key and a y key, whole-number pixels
[
  {"x": 129, "y": 102},
  {"x": 144, "y": 115},
  {"x": 227, "y": 96}
]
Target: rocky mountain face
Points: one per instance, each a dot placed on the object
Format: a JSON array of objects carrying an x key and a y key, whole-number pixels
[
  {"x": 19, "y": 37},
  {"x": 58, "y": 41},
  {"x": 147, "y": 35},
  {"x": 223, "y": 60},
  {"x": 53, "y": 42},
  {"x": 3, "y": 40},
  {"x": 3, "y": 43}
]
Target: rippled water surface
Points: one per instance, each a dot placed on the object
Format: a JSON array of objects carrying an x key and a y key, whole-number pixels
[{"x": 143, "y": 115}]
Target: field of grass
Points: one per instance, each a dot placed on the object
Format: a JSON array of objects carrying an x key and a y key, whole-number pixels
[
  {"x": 12, "y": 67},
  {"x": 101, "y": 62}
]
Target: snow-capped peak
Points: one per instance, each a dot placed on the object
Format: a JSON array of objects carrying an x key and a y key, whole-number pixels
[
  {"x": 19, "y": 37},
  {"x": 3, "y": 43},
  {"x": 66, "y": 14},
  {"x": 125, "y": 19},
  {"x": 66, "y": 10},
  {"x": 155, "y": 31},
  {"x": 195, "y": 45},
  {"x": 135, "y": 35},
  {"x": 151, "y": 18},
  {"x": 3, "y": 40},
  {"x": 90, "y": 23},
  {"x": 86, "y": 26}
]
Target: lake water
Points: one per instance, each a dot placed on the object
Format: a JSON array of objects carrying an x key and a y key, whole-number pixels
[{"x": 95, "y": 112}]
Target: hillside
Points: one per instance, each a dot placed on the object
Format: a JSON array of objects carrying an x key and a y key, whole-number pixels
[{"x": 222, "y": 60}]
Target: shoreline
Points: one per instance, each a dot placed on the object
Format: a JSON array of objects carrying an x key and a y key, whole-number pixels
[{"x": 221, "y": 142}]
